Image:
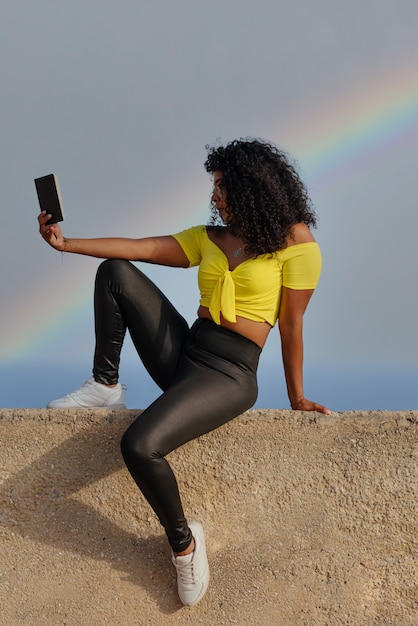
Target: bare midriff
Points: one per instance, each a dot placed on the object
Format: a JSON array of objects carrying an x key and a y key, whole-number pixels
[{"x": 255, "y": 331}]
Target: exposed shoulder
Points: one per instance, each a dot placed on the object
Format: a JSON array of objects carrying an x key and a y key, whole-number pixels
[
  {"x": 300, "y": 234},
  {"x": 216, "y": 232}
]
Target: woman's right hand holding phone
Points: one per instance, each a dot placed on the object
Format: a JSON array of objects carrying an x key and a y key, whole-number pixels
[{"x": 51, "y": 233}]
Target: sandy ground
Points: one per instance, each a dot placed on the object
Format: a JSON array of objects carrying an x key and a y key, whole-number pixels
[{"x": 309, "y": 520}]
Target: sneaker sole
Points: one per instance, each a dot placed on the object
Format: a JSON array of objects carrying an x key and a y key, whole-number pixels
[{"x": 112, "y": 407}]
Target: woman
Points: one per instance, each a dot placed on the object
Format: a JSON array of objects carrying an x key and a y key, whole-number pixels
[{"x": 258, "y": 265}]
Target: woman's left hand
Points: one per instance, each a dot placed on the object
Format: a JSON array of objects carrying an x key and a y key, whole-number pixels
[{"x": 303, "y": 404}]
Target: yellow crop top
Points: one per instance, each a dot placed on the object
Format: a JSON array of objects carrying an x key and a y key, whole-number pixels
[{"x": 253, "y": 289}]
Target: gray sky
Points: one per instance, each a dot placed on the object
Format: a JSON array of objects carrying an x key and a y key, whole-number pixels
[{"x": 119, "y": 100}]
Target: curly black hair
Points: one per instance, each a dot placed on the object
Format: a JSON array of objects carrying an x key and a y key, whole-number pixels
[{"x": 264, "y": 193}]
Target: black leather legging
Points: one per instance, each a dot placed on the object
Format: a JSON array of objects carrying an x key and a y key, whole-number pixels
[{"x": 207, "y": 374}]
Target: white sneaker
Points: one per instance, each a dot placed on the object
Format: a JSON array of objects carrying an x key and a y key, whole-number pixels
[
  {"x": 193, "y": 569},
  {"x": 92, "y": 395}
]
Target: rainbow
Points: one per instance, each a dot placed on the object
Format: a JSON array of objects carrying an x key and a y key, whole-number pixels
[
  {"x": 379, "y": 118},
  {"x": 38, "y": 321}
]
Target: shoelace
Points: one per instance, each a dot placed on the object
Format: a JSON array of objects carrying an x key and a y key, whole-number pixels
[{"x": 186, "y": 574}]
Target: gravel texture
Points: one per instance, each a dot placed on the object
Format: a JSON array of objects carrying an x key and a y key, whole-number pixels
[{"x": 309, "y": 520}]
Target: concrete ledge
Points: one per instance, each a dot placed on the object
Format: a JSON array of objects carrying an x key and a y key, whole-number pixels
[{"x": 309, "y": 520}]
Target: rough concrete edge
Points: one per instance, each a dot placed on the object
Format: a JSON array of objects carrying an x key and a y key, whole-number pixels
[{"x": 95, "y": 415}]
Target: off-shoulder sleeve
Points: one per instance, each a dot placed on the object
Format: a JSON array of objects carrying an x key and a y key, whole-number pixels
[
  {"x": 302, "y": 266},
  {"x": 191, "y": 242}
]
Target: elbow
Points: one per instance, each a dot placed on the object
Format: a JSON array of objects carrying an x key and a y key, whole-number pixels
[{"x": 290, "y": 328}]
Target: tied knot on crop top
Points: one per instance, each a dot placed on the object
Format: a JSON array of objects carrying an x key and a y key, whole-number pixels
[{"x": 252, "y": 289}]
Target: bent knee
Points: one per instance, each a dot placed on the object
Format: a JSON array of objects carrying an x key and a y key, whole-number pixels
[
  {"x": 113, "y": 267},
  {"x": 135, "y": 450}
]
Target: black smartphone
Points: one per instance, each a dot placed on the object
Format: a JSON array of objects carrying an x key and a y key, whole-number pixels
[{"x": 49, "y": 196}]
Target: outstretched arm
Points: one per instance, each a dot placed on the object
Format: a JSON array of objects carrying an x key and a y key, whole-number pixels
[
  {"x": 160, "y": 250},
  {"x": 292, "y": 307}
]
